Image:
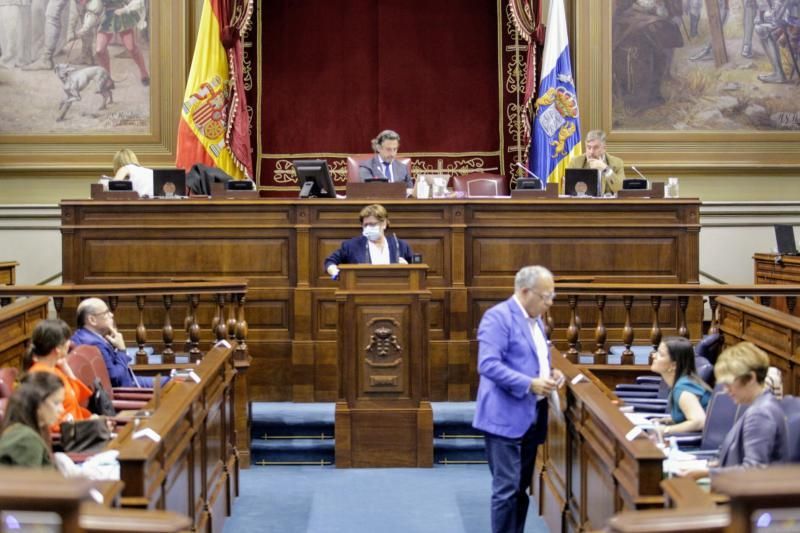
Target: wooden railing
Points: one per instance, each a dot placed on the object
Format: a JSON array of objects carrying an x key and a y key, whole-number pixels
[
  {"x": 688, "y": 297},
  {"x": 209, "y": 310},
  {"x": 228, "y": 297}
]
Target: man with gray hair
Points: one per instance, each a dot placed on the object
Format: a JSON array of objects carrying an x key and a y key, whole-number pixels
[
  {"x": 612, "y": 169},
  {"x": 384, "y": 164},
  {"x": 96, "y": 328},
  {"x": 516, "y": 377}
]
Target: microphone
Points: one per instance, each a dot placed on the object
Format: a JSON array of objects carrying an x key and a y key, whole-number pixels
[
  {"x": 637, "y": 171},
  {"x": 520, "y": 165}
]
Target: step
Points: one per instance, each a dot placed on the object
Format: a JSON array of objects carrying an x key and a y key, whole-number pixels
[
  {"x": 292, "y": 452},
  {"x": 459, "y": 450},
  {"x": 284, "y": 419}
]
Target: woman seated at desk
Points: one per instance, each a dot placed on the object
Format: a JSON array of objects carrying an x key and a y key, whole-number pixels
[
  {"x": 127, "y": 167},
  {"x": 759, "y": 437},
  {"x": 373, "y": 246},
  {"x": 689, "y": 395},
  {"x": 35, "y": 406}
]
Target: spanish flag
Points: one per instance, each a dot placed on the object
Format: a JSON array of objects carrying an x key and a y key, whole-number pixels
[{"x": 214, "y": 127}]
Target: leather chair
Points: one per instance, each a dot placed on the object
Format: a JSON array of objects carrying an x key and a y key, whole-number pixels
[
  {"x": 481, "y": 184},
  {"x": 87, "y": 364},
  {"x": 791, "y": 408},
  {"x": 354, "y": 160},
  {"x": 8, "y": 376}
]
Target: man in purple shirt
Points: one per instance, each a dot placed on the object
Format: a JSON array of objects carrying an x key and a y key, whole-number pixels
[
  {"x": 96, "y": 328},
  {"x": 515, "y": 379}
]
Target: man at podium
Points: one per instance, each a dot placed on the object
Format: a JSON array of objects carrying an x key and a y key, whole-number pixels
[{"x": 373, "y": 246}]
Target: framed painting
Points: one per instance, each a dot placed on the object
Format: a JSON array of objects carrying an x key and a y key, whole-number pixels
[
  {"x": 81, "y": 79},
  {"x": 707, "y": 86}
]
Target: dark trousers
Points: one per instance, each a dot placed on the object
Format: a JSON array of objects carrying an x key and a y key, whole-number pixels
[{"x": 511, "y": 463}]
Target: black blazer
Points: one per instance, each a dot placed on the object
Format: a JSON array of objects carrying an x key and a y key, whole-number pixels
[{"x": 356, "y": 251}]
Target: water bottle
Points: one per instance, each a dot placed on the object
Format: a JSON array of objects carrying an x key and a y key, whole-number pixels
[{"x": 672, "y": 188}]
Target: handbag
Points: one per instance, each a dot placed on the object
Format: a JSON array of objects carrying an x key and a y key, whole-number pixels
[
  {"x": 99, "y": 403},
  {"x": 83, "y": 435}
]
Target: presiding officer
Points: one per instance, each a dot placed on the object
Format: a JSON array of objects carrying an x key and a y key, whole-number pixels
[
  {"x": 612, "y": 169},
  {"x": 515, "y": 378},
  {"x": 373, "y": 246},
  {"x": 384, "y": 163}
]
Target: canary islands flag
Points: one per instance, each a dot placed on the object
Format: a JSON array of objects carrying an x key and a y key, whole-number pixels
[
  {"x": 213, "y": 128},
  {"x": 556, "y": 128}
]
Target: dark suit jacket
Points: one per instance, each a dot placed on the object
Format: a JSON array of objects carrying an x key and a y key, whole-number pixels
[
  {"x": 116, "y": 361},
  {"x": 372, "y": 168},
  {"x": 758, "y": 438},
  {"x": 611, "y": 183},
  {"x": 356, "y": 251}
]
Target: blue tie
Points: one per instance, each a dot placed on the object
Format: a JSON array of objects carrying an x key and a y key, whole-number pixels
[{"x": 386, "y": 171}]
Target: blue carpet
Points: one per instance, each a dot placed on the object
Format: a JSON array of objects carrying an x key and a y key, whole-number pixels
[{"x": 286, "y": 499}]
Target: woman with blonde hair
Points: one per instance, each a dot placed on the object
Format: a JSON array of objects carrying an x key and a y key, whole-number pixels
[
  {"x": 127, "y": 167},
  {"x": 759, "y": 437}
]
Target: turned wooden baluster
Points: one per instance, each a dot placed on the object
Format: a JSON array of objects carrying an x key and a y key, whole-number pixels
[
  {"x": 113, "y": 302},
  {"x": 168, "y": 354},
  {"x": 58, "y": 303},
  {"x": 683, "y": 303},
  {"x": 141, "y": 332},
  {"x": 573, "y": 331},
  {"x": 712, "y": 303},
  {"x": 791, "y": 302},
  {"x": 655, "y": 330},
  {"x": 627, "y": 331},
  {"x": 194, "y": 329},
  {"x": 220, "y": 328},
  {"x": 231, "y": 323},
  {"x": 240, "y": 354},
  {"x": 600, "y": 354}
]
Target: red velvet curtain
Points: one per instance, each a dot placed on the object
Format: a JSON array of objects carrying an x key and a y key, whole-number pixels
[{"x": 336, "y": 72}]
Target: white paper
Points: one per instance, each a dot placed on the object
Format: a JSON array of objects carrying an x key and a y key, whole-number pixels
[
  {"x": 224, "y": 343},
  {"x": 577, "y": 379},
  {"x": 673, "y": 467},
  {"x": 639, "y": 419},
  {"x": 102, "y": 466},
  {"x": 149, "y": 433},
  {"x": 635, "y": 432},
  {"x": 555, "y": 403}
]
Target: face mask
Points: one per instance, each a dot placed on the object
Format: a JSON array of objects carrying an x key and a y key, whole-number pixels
[{"x": 372, "y": 232}]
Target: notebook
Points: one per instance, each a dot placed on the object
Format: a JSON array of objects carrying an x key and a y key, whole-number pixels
[
  {"x": 784, "y": 234},
  {"x": 583, "y": 182},
  {"x": 169, "y": 182}
]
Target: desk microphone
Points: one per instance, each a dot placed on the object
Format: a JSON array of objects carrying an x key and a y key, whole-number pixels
[
  {"x": 520, "y": 165},
  {"x": 637, "y": 171}
]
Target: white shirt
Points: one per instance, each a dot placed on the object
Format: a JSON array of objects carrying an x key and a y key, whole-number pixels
[
  {"x": 378, "y": 255},
  {"x": 388, "y": 173},
  {"x": 540, "y": 342}
]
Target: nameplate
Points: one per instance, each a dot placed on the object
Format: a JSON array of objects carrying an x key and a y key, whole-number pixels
[
  {"x": 551, "y": 191},
  {"x": 577, "y": 379},
  {"x": 656, "y": 191},
  {"x": 147, "y": 433},
  {"x": 376, "y": 191},
  {"x": 635, "y": 432}
]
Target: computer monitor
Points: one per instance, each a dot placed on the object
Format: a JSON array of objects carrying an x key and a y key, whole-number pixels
[
  {"x": 582, "y": 182},
  {"x": 169, "y": 182},
  {"x": 314, "y": 178},
  {"x": 784, "y": 235}
]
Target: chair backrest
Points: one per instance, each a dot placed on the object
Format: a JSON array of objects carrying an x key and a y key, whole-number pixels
[
  {"x": 477, "y": 184},
  {"x": 791, "y": 408},
  {"x": 354, "y": 160},
  {"x": 721, "y": 414},
  {"x": 704, "y": 368},
  {"x": 709, "y": 347},
  {"x": 87, "y": 363},
  {"x": 8, "y": 376}
]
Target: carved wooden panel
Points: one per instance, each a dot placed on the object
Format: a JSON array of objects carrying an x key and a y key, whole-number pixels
[{"x": 384, "y": 342}]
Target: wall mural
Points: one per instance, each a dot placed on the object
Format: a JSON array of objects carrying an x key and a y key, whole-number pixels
[
  {"x": 74, "y": 67},
  {"x": 697, "y": 65}
]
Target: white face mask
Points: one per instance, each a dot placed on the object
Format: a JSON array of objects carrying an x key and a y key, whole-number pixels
[{"x": 372, "y": 232}]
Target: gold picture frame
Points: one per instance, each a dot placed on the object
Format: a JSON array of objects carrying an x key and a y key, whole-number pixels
[
  {"x": 87, "y": 155},
  {"x": 689, "y": 152}
]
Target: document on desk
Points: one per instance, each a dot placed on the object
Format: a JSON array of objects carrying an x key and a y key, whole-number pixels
[{"x": 640, "y": 419}]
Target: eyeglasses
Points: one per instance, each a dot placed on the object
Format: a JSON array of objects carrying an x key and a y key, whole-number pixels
[
  {"x": 546, "y": 296},
  {"x": 102, "y": 313}
]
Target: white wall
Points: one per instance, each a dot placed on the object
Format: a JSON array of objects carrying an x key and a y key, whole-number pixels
[{"x": 30, "y": 235}]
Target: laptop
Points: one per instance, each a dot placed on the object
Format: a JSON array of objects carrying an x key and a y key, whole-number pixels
[
  {"x": 784, "y": 234},
  {"x": 582, "y": 182},
  {"x": 169, "y": 182}
]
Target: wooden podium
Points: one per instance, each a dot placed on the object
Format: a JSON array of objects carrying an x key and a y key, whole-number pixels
[{"x": 383, "y": 415}]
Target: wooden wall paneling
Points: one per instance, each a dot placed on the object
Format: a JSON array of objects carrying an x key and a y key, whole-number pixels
[
  {"x": 779, "y": 270},
  {"x": 17, "y": 321},
  {"x": 473, "y": 249}
]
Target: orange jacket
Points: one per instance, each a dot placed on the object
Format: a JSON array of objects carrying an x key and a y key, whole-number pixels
[{"x": 75, "y": 394}]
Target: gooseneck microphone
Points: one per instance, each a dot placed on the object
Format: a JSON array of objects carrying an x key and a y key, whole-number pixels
[
  {"x": 637, "y": 171},
  {"x": 531, "y": 174}
]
